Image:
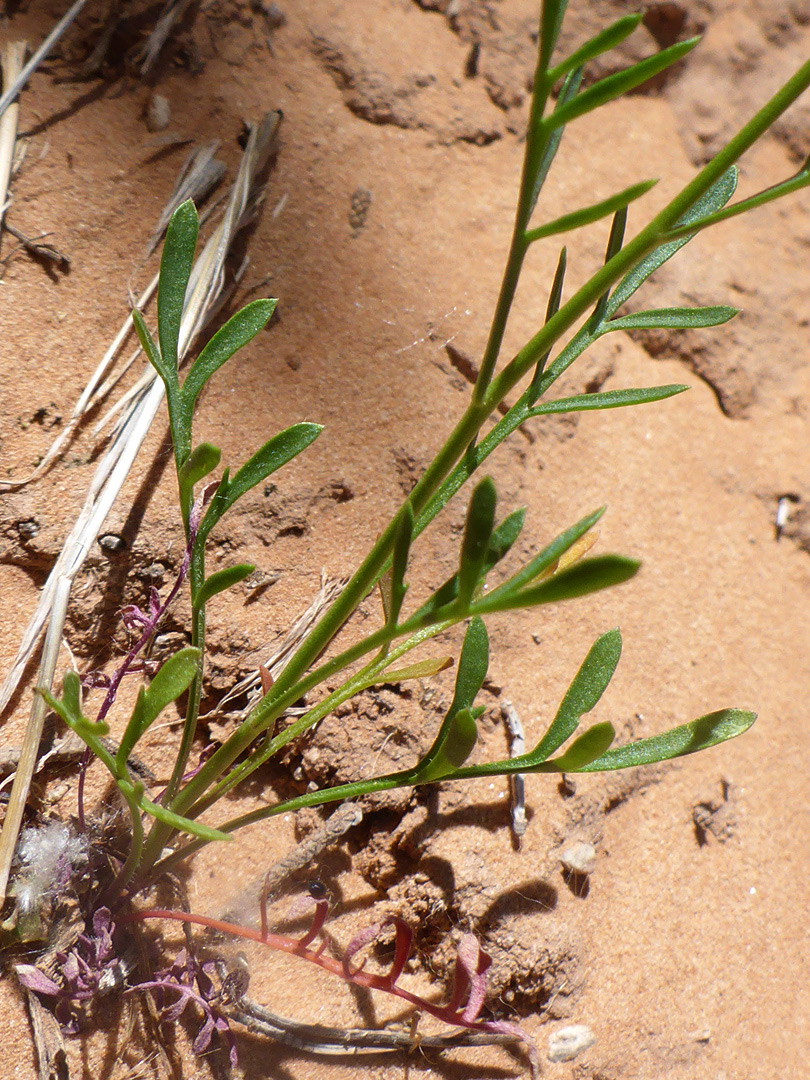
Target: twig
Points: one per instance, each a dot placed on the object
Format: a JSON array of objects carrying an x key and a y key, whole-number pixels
[
  {"x": 12, "y": 61},
  {"x": 197, "y": 175},
  {"x": 37, "y": 249},
  {"x": 263, "y": 890},
  {"x": 65, "y": 751},
  {"x": 517, "y": 746},
  {"x": 47, "y": 1036},
  {"x": 320, "y": 1039},
  {"x": 10, "y": 94}
]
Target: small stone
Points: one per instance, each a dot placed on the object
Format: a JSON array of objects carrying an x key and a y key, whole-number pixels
[
  {"x": 569, "y": 1042},
  {"x": 579, "y": 858},
  {"x": 158, "y": 113},
  {"x": 112, "y": 543},
  {"x": 27, "y": 529}
]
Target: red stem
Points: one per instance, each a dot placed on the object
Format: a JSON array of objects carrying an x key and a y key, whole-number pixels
[{"x": 297, "y": 947}]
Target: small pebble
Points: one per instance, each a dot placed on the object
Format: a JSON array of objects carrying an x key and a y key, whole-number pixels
[
  {"x": 112, "y": 543},
  {"x": 158, "y": 113},
  {"x": 569, "y": 1042},
  {"x": 579, "y": 858}
]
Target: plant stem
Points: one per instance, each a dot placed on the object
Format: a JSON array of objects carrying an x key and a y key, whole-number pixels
[{"x": 291, "y": 683}]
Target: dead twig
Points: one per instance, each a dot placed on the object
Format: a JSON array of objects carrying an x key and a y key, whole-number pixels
[
  {"x": 320, "y": 1039},
  {"x": 263, "y": 890},
  {"x": 34, "y": 246},
  {"x": 199, "y": 172},
  {"x": 47, "y": 1035},
  {"x": 33, "y": 732},
  {"x": 330, "y": 589}
]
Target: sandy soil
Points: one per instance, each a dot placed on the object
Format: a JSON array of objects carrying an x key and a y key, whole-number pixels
[{"x": 383, "y": 235}]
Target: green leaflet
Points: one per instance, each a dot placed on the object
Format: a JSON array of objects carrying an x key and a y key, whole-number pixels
[
  {"x": 699, "y": 734},
  {"x": 458, "y": 732},
  {"x": 171, "y": 680},
  {"x": 613, "y": 86},
  {"x": 589, "y": 214},
  {"x": 586, "y": 688},
  {"x": 175, "y": 270},
  {"x": 220, "y": 581},
  {"x": 602, "y": 42}
]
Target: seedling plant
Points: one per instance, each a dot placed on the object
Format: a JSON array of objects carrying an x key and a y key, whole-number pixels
[{"x": 166, "y": 831}]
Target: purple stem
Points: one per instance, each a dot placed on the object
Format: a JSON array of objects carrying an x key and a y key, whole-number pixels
[{"x": 150, "y": 622}]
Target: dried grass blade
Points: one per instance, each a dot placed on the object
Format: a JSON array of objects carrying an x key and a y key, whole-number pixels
[
  {"x": 29, "y": 751},
  {"x": 199, "y": 174},
  {"x": 173, "y": 10},
  {"x": 12, "y": 62},
  {"x": 10, "y": 94}
]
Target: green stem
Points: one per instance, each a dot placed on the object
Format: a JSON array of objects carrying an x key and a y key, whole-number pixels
[
  {"x": 538, "y": 142},
  {"x": 127, "y": 871},
  {"x": 660, "y": 230},
  {"x": 196, "y": 579}
]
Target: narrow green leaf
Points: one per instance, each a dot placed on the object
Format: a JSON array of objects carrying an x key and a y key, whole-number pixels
[
  {"x": 588, "y": 214},
  {"x": 182, "y": 824},
  {"x": 697, "y": 735},
  {"x": 234, "y": 335},
  {"x": 172, "y": 679},
  {"x": 609, "y": 399},
  {"x": 613, "y": 86},
  {"x": 422, "y": 669},
  {"x": 550, "y": 22},
  {"x": 402, "y": 546},
  {"x": 500, "y": 543},
  {"x": 546, "y": 558},
  {"x": 716, "y": 197},
  {"x": 271, "y": 457},
  {"x": 570, "y": 88},
  {"x": 590, "y": 746},
  {"x": 614, "y": 246},
  {"x": 504, "y": 537},
  {"x": 581, "y": 579},
  {"x": 472, "y": 665},
  {"x": 149, "y": 346},
  {"x": 91, "y": 734},
  {"x": 69, "y": 707},
  {"x": 221, "y": 580},
  {"x": 587, "y": 687},
  {"x": 175, "y": 269},
  {"x": 554, "y": 301},
  {"x": 202, "y": 461},
  {"x": 458, "y": 741},
  {"x": 799, "y": 180},
  {"x": 458, "y": 732},
  {"x": 600, "y": 43},
  {"x": 677, "y": 318},
  {"x": 477, "y": 535}
]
